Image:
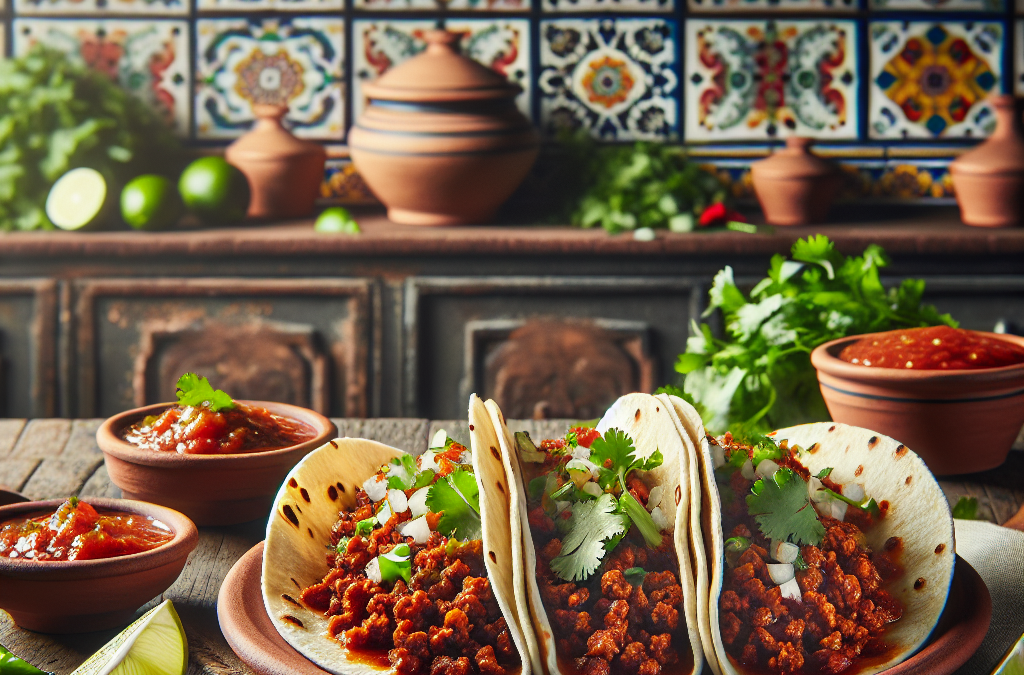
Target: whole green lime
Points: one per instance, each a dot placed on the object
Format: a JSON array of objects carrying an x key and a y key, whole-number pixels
[
  {"x": 214, "y": 190},
  {"x": 336, "y": 220},
  {"x": 150, "y": 202}
]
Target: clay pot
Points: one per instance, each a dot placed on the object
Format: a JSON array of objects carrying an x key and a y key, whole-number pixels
[
  {"x": 285, "y": 173},
  {"x": 989, "y": 180},
  {"x": 794, "y": 186},
  {"x": 209, "y": 489},
  {"x": 442, "y": 142},
  {"x": 958, "y": 421},
  {"x": 79, "y": 596}
]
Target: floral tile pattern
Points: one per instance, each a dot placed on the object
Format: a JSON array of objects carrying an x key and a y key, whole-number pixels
[
  {"x": 915, "y": 179},
  {"x": 101, "y": 7},
  {"x": 267, "y": 5},
  {"x": 756, "y": 80},
  {"x": 440, "y": 5},
  {"x": 149, "y": 58},
  {"x": 939, "y": 5},
  {"x": 295, "y": 62},
  {"x": 502, "y": 45},
  {"x": 771, "y": 5},
  {"x": 608, "y": 5},
  {"x": 614, "y": 77},
  {"x": 929, "y": 80},
  {"x": 343, "y": 184}
]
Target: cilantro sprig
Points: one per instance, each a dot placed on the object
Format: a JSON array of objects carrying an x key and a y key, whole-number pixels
[
  {"x": 583, "y": 548},
  {"x": 195, "y": 390},
  {"x": 783, "y": 510},
  {"x": 457, "y": 498}
]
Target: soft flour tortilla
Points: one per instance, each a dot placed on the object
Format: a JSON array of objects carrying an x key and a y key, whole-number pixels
[
  {"x": 648, "y": 422},
  {"x": 307, "y": 506},
  {"x": 918, "y": 514}
]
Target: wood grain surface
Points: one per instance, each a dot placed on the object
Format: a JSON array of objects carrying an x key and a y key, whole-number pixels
[{"x": 50, "y": 458}]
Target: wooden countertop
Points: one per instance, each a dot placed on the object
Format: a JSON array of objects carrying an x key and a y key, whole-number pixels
[{"x": 918, "y": 230}]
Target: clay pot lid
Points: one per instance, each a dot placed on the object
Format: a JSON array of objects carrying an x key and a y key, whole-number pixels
[
  {"x": 1003, "y": 152},
  {"x": 269, "y": 138},
  {"x": 440, "y": 73},
  {"x": 794, "y": 161}
]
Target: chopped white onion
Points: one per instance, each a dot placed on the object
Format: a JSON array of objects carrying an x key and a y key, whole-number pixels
[
  {"x": 838, "y": 509},
  {"x": 418, "y": 502},
  {"x": 766, "y": 469},
  {"x": 562, "y": 506},
  {"x": 373, "y": 571},
  {"x": 579, "y": 452},
  {"x": 747, "y": 470},
  {"x": 854, "y": 492},
  {"x": 781, "y": 572},
  {"x": 660, "y": 521},
  {"x": 417, "y": 528},
  {"x": 439, "y": 439},
  {"x": 384, "y": 515},
  {"x": 784, "y": 551},
  {"x": 466, "y": 457},
  {"x": 428, "y": 461},
  {"x": 592, "y": 488},
  {"x": 791, "y": 589},
  {"x": 375, "y": 489},
  {"x": 399, "y": 502},
  {"x": 718, "y": 456},
  {"x": 654, "y": 499},
  {"x": 581, "y": 471},
  {"x": 814, "y": 491}
]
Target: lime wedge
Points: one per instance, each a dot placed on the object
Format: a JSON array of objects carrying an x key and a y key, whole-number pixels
[
  {"x": 77, "y": 199},
  {"x": 154, "y": 645}
]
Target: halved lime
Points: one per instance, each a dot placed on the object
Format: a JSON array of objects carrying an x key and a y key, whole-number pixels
[
  {"x": 150, "y": 202},
  {"x": 154, "y": 645},
  {"x": 336, "y": 220},
  {"x": 77, "y": 199}
]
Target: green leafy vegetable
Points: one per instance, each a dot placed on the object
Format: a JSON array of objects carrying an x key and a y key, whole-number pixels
[
  {"x": 396, "y": 564},
  {"x": 402, "y": 473},
  {"x": 365, "y": 527},
  {"x": 593, "y": 522},
  {"x": 457, "y": 498},
  {"x": 783, "y": 511},
  {"x": 759, "y": 374},
  {"x": 342, "y": 545},
  {"x": 800, "y": 563},
  {"x": 194, "y": 390},
  {"x": 734, "y": 547},
  {"x": 825, "y": 473},
  {"x": 635, "y": 575},
  {"x": 966, "y": 508},
  {"x": 869, "y": 504},
  {"x": 528, "y": 452},
  {"x": 12, "y": 665},
  {"x": 641, "y": 518}
]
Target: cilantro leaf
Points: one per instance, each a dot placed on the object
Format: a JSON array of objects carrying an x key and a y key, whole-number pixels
[
  {"x": 194, "y": 390},
  {"x": 966, "y": 508},
  {"x": 635, "y": 576},
  {"x": 783, "y": 511},
  {"x": 457, "y": 498},
  {"x": 583, "y": 548},
  {"x": 402, "y": 473}
]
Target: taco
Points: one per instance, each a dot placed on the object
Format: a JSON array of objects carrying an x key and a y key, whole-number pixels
[
  {"x": 604, "y": 515},
  {"x": 830, "y": 549},
  {"x": 378, "y": 561}
]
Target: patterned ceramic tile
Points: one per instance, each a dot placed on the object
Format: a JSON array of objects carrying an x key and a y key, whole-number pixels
[
  {"x": 343, "y": 184},
  {"x": 428, "y": 5},
  {"x": 101, "y": 7},
  {"x": 265, "y": 5},
  {"x": 608, "y": 5},
  {"x": 615, "y": 77},
  {"x": 939, "y": 5},
  {"x": 928, "y": 80},
  {"x": 294, "y": 61},
  {"x": 502, "y": 44},
  {"x": 750, "y": 80},
  {"x": 147, "y": 57},
  {"x": 771, "y": 6},
  {"x": 915, "y": 179}
]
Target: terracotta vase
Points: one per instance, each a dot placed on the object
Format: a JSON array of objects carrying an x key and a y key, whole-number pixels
[
  {"x": 441, "y": 141},
  {"x": 794, "y": 186},
  {"x": 989, "y": 180},
  {"x": 285, "y": 173}
]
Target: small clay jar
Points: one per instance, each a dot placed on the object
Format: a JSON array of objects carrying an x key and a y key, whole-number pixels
[
  {"x": 794, "y": 186},
  {"x": 989, "y": 180},
  {"x": 442, "y": 141},
  {"x": 284, "y": 173}
]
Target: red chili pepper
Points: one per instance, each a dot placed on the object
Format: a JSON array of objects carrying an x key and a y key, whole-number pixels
[{"x": 717, "y": 214}]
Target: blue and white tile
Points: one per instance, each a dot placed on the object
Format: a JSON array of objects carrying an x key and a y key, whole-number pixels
[
  {"x": 444, "y": 5},
  {"x": 938, "y": 5},
  {"x": 772, "y": 6},
  {"x": 149, "y": 58},
  {"x": 614, "y": 77},
  {"x": 500, "y": 44},
  {"x": 268, "y": 5},
  {"x": 296, "y": 62},
  {"x": 763, "y": 79},
  {"x": 95, "y": 8},
  {"x": 555, "y": 6}
]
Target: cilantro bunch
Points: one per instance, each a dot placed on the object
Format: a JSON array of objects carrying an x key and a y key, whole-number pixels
[
  {"x": 759, "y": 375},
  {"x": 195, "y": 390}
]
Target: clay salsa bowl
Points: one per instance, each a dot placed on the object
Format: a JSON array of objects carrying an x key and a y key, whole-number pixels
[
  {"x": 78, "y": 596},
  {"x": 958, "y": 421},
  {"x": 209, "y": 489}
]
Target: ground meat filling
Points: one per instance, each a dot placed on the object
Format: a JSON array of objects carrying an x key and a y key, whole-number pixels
[
  {"x": 606, "y": 624},
  {"x": 445, "y": 621}
]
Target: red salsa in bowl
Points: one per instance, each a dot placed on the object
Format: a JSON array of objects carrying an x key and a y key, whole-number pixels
[
  {"x": 77, "y": 531},
  {"x": 933, "y": 348}
]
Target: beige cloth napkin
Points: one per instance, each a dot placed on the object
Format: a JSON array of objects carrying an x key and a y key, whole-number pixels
[{"x": 997, "y": 553}]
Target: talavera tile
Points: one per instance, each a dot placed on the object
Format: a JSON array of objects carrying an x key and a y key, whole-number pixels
[
  {"x": 929, "y": 79},
  {"x": 915, "y": 179},
  {"x": 756, "y": 80},
  {"x": 343, "y": 184},
  {"x": 614, "y": 77},
  {"x": 268, "y": 5},
  {"x": 939, "y": 5},
  {"x": 148, "y": 57},
  {"x": 500, "y": 44},
  {"x": 441, "y": 5},
  {"x": 296, "y": 62},
  {"x": 101, "y": 7},
  {"x": 608, "y": 5},
  {"x": 771, "y": 6}
]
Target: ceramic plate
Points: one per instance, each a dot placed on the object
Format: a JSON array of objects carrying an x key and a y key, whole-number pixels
[{"x": 252, "y": 636}]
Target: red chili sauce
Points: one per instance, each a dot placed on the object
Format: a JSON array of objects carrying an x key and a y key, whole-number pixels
[
  {"x": 935, "y": 348},
  {"x": 76, "y": 531},
  {"x": 197, "y": 430}
]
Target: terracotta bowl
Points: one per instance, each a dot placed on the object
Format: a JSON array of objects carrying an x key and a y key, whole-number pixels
[
  {"x": 209, "y": 489},
  {"x": 958, "y": 421},
  {"x": 79, "y": 596}
]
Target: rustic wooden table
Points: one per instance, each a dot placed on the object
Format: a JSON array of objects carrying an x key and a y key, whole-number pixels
[{"x": 49, "y": 458}]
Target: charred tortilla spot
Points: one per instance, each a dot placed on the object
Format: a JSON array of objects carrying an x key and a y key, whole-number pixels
[
  {"x": 501, "y": 488},
  {"x": 940, "y": 548},
  {"x": 292, "y": 483},
  {"x": 341, "y": 487},
  {"x": 657, "y": 409},
  {"x": 297, "y": 585},
  {"x": 494, "y": 558},
  {"x": 814, "y": 448},
  {"x": 305, "y": 494},
  {"x": 290, "y": 514},
  {"x": 334, "y": 444},
  {"x": 332, "y": 492},
  {"x": 679, "y": 495},
  {"x": 859, "y": 471},
  {"x": 310, "y": 533},
  {"x": 637, "y": 415},
  {"x": 907, "y": 481},
  {"x": 919, "y": 584},
  {"x": 900, "y": 450},
  {"x": 832, "y": 428},
  {"x": 872, "y": 442},
  {"x": 297, "y": 508},
  {"x": 494, "y": 451},
  {"x": 290, "y": 600},
  {"x": 292, "y": 620},
  {"x": 472, "y": 428}
]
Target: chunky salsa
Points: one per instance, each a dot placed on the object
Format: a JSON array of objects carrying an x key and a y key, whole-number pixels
[
  {"x": 813, "y": 601},
  {"x": 934, "y": 348},
  {"x": 77, "y": 531},
  {"x": 618, "y": 613},
  {"x": 407, "y": 585}
]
